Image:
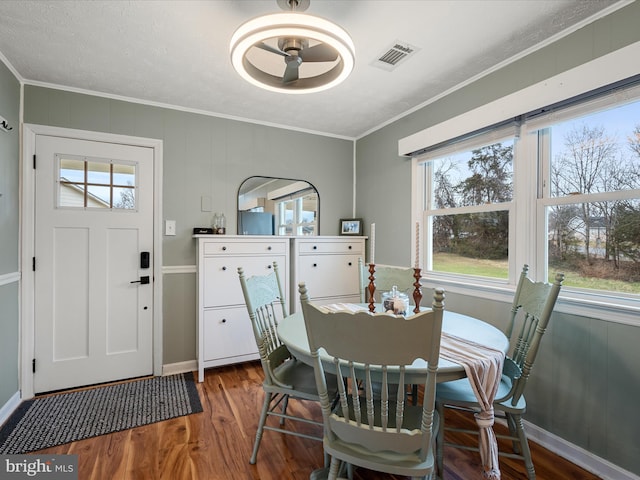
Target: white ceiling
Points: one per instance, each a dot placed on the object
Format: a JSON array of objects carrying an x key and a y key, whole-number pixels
[{"x": 177, "y": 52}]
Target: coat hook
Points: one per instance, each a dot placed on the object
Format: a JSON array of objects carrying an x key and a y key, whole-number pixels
[{"x": 5, "y": 126}]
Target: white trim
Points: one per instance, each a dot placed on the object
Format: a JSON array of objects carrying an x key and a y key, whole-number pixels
[
  {"x": 11, "y": 68},
  {"x": 172, "y": 269},
  {"x": 577, "y": 455},
  {"x": 8, "y": 408},
  {"x": 180, "y": 367},
  {"x": 168, "y": 106},
  {"x": 7, "y": 278},
  {"x": 355, "y": 176},
  {"x": 597, "y": 73},
  {"x": 27, "y": 240}
]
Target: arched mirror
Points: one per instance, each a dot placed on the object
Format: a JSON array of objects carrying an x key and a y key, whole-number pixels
[{"x": 278, "y": 206}]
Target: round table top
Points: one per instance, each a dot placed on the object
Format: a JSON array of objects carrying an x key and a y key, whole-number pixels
[{"x": 293, "y": 333}]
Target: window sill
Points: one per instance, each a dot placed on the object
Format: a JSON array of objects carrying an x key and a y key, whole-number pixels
[{"x": 591, "y": 304}]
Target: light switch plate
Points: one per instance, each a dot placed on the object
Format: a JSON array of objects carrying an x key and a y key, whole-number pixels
[
  {"x": 205, "y": 203},
  {"x": 170, "y": 227}
]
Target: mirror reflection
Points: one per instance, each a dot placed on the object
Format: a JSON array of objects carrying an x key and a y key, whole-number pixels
[{"x": 277, "y": 206}]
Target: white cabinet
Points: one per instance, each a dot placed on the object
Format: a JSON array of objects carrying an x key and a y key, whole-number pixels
[
  {"x": 329, "y": 268},
  {"x": 224, "y": 333}
]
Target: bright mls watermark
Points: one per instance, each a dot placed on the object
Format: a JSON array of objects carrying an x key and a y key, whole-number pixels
[{"x": 51, "y": 467}]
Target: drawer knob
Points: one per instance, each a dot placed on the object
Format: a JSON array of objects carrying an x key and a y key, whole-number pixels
[
  {"x": 269, "y": 247},
  {"x": 349, "y": 247},
  {"x": 315, "y": 247},
  {"x": 224, "y": 320},
  {"x": 224, "y": 248},
  {"x": 349, "y": 263},
  {"x": 224, "y": 269},
  {"x": 315, "y": 264},
  {"x": 268, "y": 266}
]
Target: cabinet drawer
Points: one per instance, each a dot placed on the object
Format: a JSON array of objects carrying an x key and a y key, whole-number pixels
[
  {"x": 329, "y": 276},
  {"x": 353, "y": 247},
  {"x": 240, "y": 248},
  {"x": 227, "y": 333},
  {"x": 221, "y": 284}
]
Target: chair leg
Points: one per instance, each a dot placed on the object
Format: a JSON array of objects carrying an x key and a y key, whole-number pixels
[
  {"x": 440, "y": 441},
  {"x": 513, "y": 431},
  {"x": 334, "y": 468},
  {"x": 524, "y": 445},
  {"x": 263, "y": 419},
  {"x": 285, "y": 404}
]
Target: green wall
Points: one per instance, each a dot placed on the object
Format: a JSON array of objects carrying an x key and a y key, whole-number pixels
[
  {"x": 585, "y": 382},
  {"x": 9, "y": 234},
  {"x": 204, "y": 156}
]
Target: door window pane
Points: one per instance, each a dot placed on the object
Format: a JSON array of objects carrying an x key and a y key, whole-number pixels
[
  {"x": 98, "y": 173},
  {"x": 95, "y": 183}
]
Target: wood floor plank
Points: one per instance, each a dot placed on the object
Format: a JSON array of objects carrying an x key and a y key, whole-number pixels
[{"x": 217, "y": 443}]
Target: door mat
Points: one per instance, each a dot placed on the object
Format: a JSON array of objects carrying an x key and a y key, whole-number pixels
[{"x": 67, "y": 417}]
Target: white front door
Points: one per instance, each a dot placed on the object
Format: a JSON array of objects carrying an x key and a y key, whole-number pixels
[{"x": 93, "y": 280}]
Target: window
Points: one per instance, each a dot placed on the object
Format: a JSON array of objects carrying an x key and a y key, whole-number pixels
[
  {"x": 561, "y": 193},
  {"x": 95, "y": 183},
  {"x": 468, "y": 204},
  {"x": 591, "y": 197}
]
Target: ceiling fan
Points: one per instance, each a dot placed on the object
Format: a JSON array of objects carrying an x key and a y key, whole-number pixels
[
  {"x": 298, "y": 39},
  {"x": 296, "y": 51}
]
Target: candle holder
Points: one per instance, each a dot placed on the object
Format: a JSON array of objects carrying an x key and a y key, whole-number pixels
[
  {"x": 372, "y": 286},
  {"x": 417, "y": 292}
]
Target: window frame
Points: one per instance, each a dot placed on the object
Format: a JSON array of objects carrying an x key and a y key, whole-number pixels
[
  {"x": 84, "y": 185},
  {"x": 527, "y": 214}
]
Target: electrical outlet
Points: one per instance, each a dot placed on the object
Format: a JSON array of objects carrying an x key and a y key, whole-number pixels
[{"x": 170, "y": 227}]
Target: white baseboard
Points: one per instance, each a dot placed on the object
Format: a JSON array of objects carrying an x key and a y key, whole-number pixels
[
  {"x": 8, "y": 408},
  {"x": 575, "y": 454},
  {"x": 180, "y": 367}
]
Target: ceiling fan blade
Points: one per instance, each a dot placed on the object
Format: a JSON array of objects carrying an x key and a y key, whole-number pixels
[
  {"x": 291, "y": 72},
  {"x": 271, "y": 49},
  {"x": 319, "y": 53}
]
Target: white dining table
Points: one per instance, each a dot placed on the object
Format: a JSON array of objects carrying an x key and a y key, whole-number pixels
[{"x": 293, "y": 334}]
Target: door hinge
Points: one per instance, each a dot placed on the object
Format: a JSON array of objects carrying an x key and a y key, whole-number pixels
[
  {"x": 34, "y": 161},
  {"x": 33, "y": 364},
  {"x": 33, "y": 263}
]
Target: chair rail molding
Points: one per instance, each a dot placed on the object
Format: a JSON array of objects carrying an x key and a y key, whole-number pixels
[
  {"x": 7, "y": 278},
  {"x": 173, "y": 269}
]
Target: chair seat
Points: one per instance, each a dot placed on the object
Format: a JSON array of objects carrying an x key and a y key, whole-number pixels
[
  {"x": 459, "y": 392},
  {"x": 301, "y": 378}
]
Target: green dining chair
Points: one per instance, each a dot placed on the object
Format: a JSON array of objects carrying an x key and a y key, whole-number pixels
[
  {"x": 530, "y": 313},
  {"x": 284, "y": 376},
  {"x": 386, "y": 277},
  {"x": 378, "y": 432}
]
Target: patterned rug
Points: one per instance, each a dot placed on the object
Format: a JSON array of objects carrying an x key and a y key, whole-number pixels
[{"x": 67, "y": 417}]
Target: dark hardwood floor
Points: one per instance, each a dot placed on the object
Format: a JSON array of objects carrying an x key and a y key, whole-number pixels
[{"x": 216, "y": 444}]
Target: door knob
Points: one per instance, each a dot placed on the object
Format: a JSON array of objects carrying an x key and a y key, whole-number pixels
[{"x": 143, "y": 280}]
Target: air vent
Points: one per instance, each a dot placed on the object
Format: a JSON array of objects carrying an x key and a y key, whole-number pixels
[{"x": 397, "y": 53}]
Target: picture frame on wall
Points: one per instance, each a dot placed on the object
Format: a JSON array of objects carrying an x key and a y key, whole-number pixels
[{"x": 350, "y": 226}]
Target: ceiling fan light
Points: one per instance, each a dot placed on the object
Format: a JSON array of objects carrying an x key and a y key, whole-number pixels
[{"x": 296, "y": 25}]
